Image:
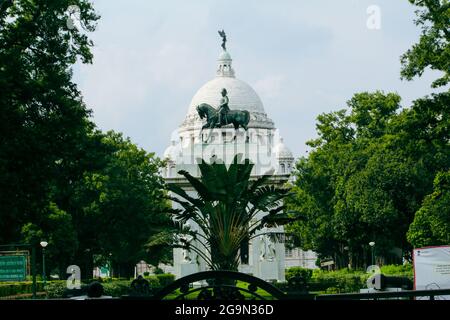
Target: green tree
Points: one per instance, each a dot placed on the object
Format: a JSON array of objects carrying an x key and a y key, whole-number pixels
[
  {"x": 85, "y": 192},
  {"x": 355, "y": 186},
  {"x": 120, "y": 206},
  {"x": 44, "y": 120},
  {"x": 433, "y": 49},
  {"x": 431, "y": 225},
  {"x": 371, "y": 168},
  {"x": 368, "y": 174},
  {"x": 55, "y": 226}
]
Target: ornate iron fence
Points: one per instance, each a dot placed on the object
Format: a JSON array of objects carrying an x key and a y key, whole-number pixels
[
  {"x": 220, "y": 285},
  {"x": 229, "y": 285}
]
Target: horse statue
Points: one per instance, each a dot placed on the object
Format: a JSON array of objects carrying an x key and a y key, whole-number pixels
[{"x": 238, "y": 118}]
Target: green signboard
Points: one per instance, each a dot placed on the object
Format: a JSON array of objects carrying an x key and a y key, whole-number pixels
[{"x": 13, "y": 268}]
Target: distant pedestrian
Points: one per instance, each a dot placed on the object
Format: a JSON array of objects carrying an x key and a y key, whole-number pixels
[
  {"x": 94, "y": 291},
  {"x": 140, "y": 286}
]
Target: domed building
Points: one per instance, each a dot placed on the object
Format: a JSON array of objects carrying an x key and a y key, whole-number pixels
[{"x": 261, "y": 144}]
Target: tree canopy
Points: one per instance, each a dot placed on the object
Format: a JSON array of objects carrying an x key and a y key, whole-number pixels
[
  {"x": 369, "y": 175},
  {"x": 62, "y": 180},
  {"x": 431, "y": 224},
  {"x": 433, "y": 49}
]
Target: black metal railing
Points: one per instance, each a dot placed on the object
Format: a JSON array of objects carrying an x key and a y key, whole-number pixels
[
  {"x": 219, "y": 288},
  {"x": 406, "y": 294},
  {"x": 230, "y": 285},
  {"x": 221, "y": 285}
]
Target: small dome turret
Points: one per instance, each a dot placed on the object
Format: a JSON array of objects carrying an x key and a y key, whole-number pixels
[
  {"x": 284, "y": 157},
  {"x": 172, "y": 151},
  {"x": 283, "y": 152}
]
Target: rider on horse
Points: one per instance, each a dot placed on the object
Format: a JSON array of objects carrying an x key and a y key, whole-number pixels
[{"x": 223, "y": 109}]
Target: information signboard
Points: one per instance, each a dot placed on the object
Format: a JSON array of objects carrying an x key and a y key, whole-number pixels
[
  {"x": 13, "y": 267},
  {"x": 432, "y": 269}
]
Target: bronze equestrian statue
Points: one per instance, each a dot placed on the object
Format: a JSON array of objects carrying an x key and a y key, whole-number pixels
[{"x": 217, "y": 118}]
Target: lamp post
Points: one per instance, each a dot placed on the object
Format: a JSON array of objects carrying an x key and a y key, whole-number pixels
[
  {"x": 43, "y": 245},
  {"x": 88, "y": 274},
  {"x": 349, "y": 265},
  {"x": 110, "y": 266},
  {"x": 372, "y": 245}
]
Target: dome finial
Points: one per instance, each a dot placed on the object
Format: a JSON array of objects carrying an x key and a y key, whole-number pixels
[
  {"x": 224, "y": 39},
  {"x": 224, "y": 68}
]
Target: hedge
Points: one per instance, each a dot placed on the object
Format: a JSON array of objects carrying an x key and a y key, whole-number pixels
[
  {"x": 165, "y": 279},
  {"x": 341, "y": 281},
  {"x": 115, "y": 287},
  {"x": 318, "y": 281},
  {"x": 303, "y": 273},
  {"x": 15, "y": 288}
]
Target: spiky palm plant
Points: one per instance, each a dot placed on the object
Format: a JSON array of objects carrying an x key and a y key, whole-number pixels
[{"x": 226, "y": 209}]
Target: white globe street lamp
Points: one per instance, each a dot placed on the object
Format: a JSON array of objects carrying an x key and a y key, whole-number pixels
[
  {"x": 43, "y": 245},
  {"x": 372, "y": 245}
]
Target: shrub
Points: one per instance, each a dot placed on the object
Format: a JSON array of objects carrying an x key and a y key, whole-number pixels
[
  {"x": 332, "y": 290},
  {"x": 56, "y": 289},
  {"x": 303, "y": 273},
  {"x": 298, "y": 278},
  {"x": 398, "y": 270},
  {"x": 158, "y": 271},
  {"x": 153, "y": 281},
  {"x": 110, "y": 279},
  {"x": 6, "y": 290},
  {"x": 343, "y": 280},
  {"x": 347, "y": 281},
  {"x": 116, "y": 288},
  {"x": 165, "y": 279},
  {"x": 16, "y": 288}
]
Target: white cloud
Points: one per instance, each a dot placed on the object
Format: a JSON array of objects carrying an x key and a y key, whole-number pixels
[
  {"x": 302, "y": 57},
  {"x": 270, "y": 86}
]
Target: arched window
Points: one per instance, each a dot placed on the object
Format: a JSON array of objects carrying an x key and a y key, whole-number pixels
[{"x": 283, "y": 170}]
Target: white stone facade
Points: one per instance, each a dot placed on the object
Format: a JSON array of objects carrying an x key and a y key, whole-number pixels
[{"x": 300, "y": 258}]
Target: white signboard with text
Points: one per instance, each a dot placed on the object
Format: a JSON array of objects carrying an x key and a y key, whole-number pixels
[{"x": 432, "y": 269}]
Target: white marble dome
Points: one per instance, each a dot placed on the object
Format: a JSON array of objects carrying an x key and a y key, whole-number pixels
[
  {"x": 173, "y": 151},
  {"x": 241, "y": 95},
  {"x": 282, "y": 151},
  {"x": 224, "y": 56}
]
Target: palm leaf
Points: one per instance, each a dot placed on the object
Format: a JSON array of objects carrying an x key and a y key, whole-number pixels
[
  {"x": 201, "y": 189},
  {"x": 179, "y": 191},
  {"x": 227, "y": 202}
]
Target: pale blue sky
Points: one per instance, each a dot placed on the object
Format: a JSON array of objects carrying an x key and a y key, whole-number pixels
[{"x": 302, "y": 57}]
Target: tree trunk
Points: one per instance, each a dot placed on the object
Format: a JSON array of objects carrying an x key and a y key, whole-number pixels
[
  {"x": 126, "y": 270},
  {"x": 87, "y": 268}
]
